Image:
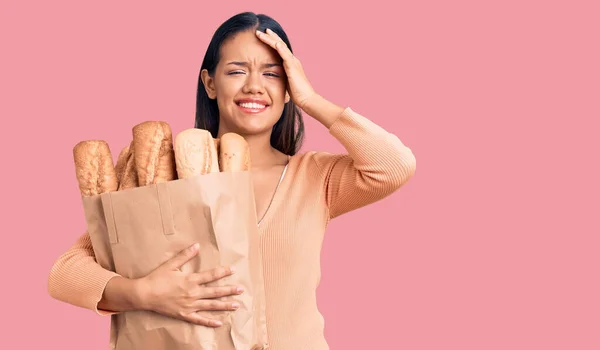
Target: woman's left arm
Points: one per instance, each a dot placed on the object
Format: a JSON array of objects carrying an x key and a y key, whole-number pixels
[{"x": 377, "y": 163}]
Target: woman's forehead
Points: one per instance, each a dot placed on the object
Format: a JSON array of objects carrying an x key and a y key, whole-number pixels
[{"x": 246, "y": 47}]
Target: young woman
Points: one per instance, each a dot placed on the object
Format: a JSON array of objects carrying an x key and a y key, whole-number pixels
[{"x": 252, "y": 84}]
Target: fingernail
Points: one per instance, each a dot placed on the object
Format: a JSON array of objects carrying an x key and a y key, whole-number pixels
[
  {"x": 235, "y": 305},
  {"x": 218, "y": 323},
  {"x": 269, "y": 30},
  {"x": 195, "y": 246},
  {"x": 239, "y": 289},
  {"x": 232, "y": 269}
]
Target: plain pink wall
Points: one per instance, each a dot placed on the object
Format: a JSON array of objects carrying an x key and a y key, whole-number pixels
[{"x": 493, "y": 244}]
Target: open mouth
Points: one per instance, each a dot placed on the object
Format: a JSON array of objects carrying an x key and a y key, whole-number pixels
[{"x": 252, "y": 106}]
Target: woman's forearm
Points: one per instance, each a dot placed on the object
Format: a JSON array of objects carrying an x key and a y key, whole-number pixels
[
  {"x": 322, "y": 110},
  {"x": 77, "y": 278},
  {"x": 121, "y": 294}
]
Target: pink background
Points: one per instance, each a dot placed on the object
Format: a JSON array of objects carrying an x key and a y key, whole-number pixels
[{"x": 492, "y": 245}]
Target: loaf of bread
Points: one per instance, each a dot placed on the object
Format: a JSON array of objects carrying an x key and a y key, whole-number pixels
[
  {"x": 122, "y": 162},
  {"x": 217, "y": 144},
  {"x": 234, "y": 153},
  {"x": 213, "y": 150},
  {"x": 153, "y": 152},
  {"x": 94, "y": 167},
  {"x": 129, "y": 178},
  {"x": 195, "y": 153}
]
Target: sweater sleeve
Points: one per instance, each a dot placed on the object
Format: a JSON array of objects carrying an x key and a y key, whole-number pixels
[
  {"x": 376, "y": 165},
  {"x": 76, "y": 278}
]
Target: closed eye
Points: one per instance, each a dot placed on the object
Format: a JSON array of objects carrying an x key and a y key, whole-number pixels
[{"x": 269, "y": 74}]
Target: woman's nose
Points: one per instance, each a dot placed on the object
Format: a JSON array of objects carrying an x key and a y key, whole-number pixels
[{"x": 253, "y": 84}]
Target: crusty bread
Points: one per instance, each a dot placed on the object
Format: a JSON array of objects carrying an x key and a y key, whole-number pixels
[
  {"x": 94, "y": 167},
  {"x": 234, "y": 153},
  {"x": 129, "y": 179},
  {"x": 122, "y": 162},
  {"x": 153, "y": 152},
  {"x": 213, "y": 151},
  {"x": 195, "y": 153},
  {"x": 217, "y": 144}
]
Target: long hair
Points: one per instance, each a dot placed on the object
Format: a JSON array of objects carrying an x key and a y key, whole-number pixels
[{"x": 288, "y": 132}]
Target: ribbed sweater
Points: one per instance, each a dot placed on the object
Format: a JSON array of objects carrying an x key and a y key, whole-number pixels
[{"x": 317, "y": 187}]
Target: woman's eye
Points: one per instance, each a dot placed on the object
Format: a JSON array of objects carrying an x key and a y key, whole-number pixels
[{"x": 237, "y": 72}]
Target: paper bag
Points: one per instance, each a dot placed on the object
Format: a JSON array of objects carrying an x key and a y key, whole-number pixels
[{"x": 135, "y": 230}]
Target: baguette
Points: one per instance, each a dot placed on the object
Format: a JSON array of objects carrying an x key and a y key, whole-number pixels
[
  {"x": 153, "y": 152},
  {"x": 213, "y": 150},
  {"x": 234, "y": 153},
  {"x": 122, "y": 162},
  {"x": 195, "y": 153},
  {"x": 94, "y": 168},
  {"x": 217, "y": 144},
  {"x": 129, "y": 179}
]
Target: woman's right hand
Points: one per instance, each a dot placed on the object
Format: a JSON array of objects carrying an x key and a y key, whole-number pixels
[{"x": 177, "y": 294}]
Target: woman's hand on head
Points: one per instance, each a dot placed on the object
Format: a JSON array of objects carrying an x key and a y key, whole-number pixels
[
  {"x": 299, "y": 87},
  {"x": 177, "y": 294}
]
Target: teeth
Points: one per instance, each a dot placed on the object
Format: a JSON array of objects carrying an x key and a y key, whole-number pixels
[{"x": 252, "y": 105}]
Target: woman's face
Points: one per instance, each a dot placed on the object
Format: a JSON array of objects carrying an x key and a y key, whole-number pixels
[{"x": 249, "y": 85}]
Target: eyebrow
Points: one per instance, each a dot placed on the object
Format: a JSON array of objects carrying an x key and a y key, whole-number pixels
[{"x": 245, "y": 64}]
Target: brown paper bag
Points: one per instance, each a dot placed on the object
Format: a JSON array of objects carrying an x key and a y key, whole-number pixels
[{"x": 135, "y": 230}]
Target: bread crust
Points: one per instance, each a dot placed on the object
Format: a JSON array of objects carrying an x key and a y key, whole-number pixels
[
  {"x": 153, "y": 152},
  {"x": 122, "y": 162},
  {"x": 234, "y": 153},
  {"x": 217, "y": 145},
  {"x": 94, "y": 167},
  {"x": 195, "y": 153},
  {"x": 129, "y": 179}
]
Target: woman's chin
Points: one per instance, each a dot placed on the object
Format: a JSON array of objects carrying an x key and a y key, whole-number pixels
[
  {"x": 253, "y": 126},
  {"x": 253, "y": 129}
]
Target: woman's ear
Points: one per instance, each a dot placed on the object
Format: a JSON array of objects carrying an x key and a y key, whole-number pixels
[
  {"x": 209, "y": 84},
  {"x": 287, "y": 97}
]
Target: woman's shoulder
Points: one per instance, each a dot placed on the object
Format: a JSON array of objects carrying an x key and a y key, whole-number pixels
[{"x": 314, "y": 163}]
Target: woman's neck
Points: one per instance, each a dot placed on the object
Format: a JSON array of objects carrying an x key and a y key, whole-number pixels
[{"x": 262, "y": 154}]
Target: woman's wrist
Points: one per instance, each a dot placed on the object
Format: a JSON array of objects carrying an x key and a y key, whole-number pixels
[
  {"x": 322, "y": 110},
  {"x": 123, "y": 294}
]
